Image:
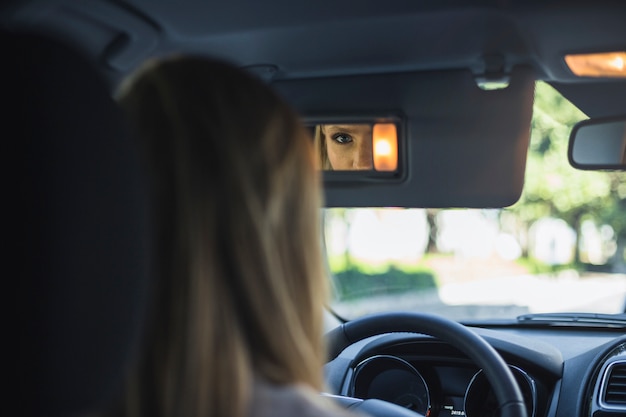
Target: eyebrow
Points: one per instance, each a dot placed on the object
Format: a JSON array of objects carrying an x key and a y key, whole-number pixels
[{"x": 345, "y": 128}]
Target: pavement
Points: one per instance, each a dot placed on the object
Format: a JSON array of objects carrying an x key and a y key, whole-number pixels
[{"x": 505, "y": 297}]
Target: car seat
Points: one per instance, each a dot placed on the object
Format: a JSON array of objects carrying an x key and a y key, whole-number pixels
[{"x": 78, "y": 229}]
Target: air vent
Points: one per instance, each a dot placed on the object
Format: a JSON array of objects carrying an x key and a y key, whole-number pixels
[{"x": 613, "y": 395}]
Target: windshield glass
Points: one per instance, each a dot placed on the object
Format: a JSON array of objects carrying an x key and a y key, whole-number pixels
[{"x": 561, "y": 248}]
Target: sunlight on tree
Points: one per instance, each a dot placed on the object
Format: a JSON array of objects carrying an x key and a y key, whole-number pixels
[{"x": 552, "y": 187}]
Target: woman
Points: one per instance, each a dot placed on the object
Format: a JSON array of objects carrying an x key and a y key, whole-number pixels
[
  {"x": 237, "y": 320},
  {"x": 346, "y": 147}
]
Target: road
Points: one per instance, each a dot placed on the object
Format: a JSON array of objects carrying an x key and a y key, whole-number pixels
[{"x": 506, "y": 297}]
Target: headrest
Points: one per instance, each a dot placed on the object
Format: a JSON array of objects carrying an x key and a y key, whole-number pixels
[{"x": 79, "y": 226}]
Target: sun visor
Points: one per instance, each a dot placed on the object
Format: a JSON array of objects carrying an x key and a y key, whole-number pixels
[{"x": 459, "y": 145}]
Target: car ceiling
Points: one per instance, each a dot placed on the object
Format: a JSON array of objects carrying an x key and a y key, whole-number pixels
[{"x": 291, "y": 39}]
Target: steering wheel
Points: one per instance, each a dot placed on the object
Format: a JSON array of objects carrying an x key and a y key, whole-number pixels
[{"x": 507, "y": 392}]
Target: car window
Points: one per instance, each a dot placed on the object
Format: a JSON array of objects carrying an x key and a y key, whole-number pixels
[{"x": 560, "y": 248}]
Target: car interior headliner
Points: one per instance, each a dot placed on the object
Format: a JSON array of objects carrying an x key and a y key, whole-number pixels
[{"x": 288, "y": 39}]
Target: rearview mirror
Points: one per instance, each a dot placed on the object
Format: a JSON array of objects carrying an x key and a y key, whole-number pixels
[
  {"x": 357, "y": 146},
  {"x": 598, "y": 144}
]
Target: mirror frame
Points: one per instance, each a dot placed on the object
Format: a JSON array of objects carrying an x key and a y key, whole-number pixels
[{"x": 366, "y": 176}]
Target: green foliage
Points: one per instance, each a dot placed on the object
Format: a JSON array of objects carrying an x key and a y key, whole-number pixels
[
  {"x": 354, "y": 283},
  {"x": 552, "y": 187},
  {"x": 535, "y": 266}
]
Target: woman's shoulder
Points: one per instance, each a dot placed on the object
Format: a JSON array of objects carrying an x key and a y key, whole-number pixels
[{"x": 270, "y": 400}]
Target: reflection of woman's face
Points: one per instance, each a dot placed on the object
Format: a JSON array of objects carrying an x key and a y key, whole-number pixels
[{"x": 349, "y": 147}]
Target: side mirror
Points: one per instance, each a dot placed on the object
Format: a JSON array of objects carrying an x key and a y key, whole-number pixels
[{"x": 598, "y": 144}]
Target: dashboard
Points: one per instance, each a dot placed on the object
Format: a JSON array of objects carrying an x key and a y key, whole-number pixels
[{"x": 561, "y": 372}]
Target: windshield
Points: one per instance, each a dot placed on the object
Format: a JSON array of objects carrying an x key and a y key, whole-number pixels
[{"x": 561, "y": 248}]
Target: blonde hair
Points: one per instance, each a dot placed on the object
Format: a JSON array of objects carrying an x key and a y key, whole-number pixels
[
  {"x": 240, "y": 286},
  {"x": 321, "y": 152}
]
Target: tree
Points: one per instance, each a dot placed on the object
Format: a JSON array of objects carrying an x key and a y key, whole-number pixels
[{"x": 552, "y": 187}]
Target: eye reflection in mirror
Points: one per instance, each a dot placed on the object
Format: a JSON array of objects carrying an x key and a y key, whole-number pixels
[
  {"x": 344, "y": 147},
  {"x": 599, "y": 144}
]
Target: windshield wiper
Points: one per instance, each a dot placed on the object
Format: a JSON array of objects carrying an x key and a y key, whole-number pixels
[{"x": 574, "y": 319}]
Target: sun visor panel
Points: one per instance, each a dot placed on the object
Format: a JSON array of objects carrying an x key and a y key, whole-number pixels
[{"x": 463, "y": 146}]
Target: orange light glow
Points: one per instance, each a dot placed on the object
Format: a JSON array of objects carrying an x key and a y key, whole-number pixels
[
  {"x": 607, "y": 64},
  {"x": 385, "y": 140}
]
